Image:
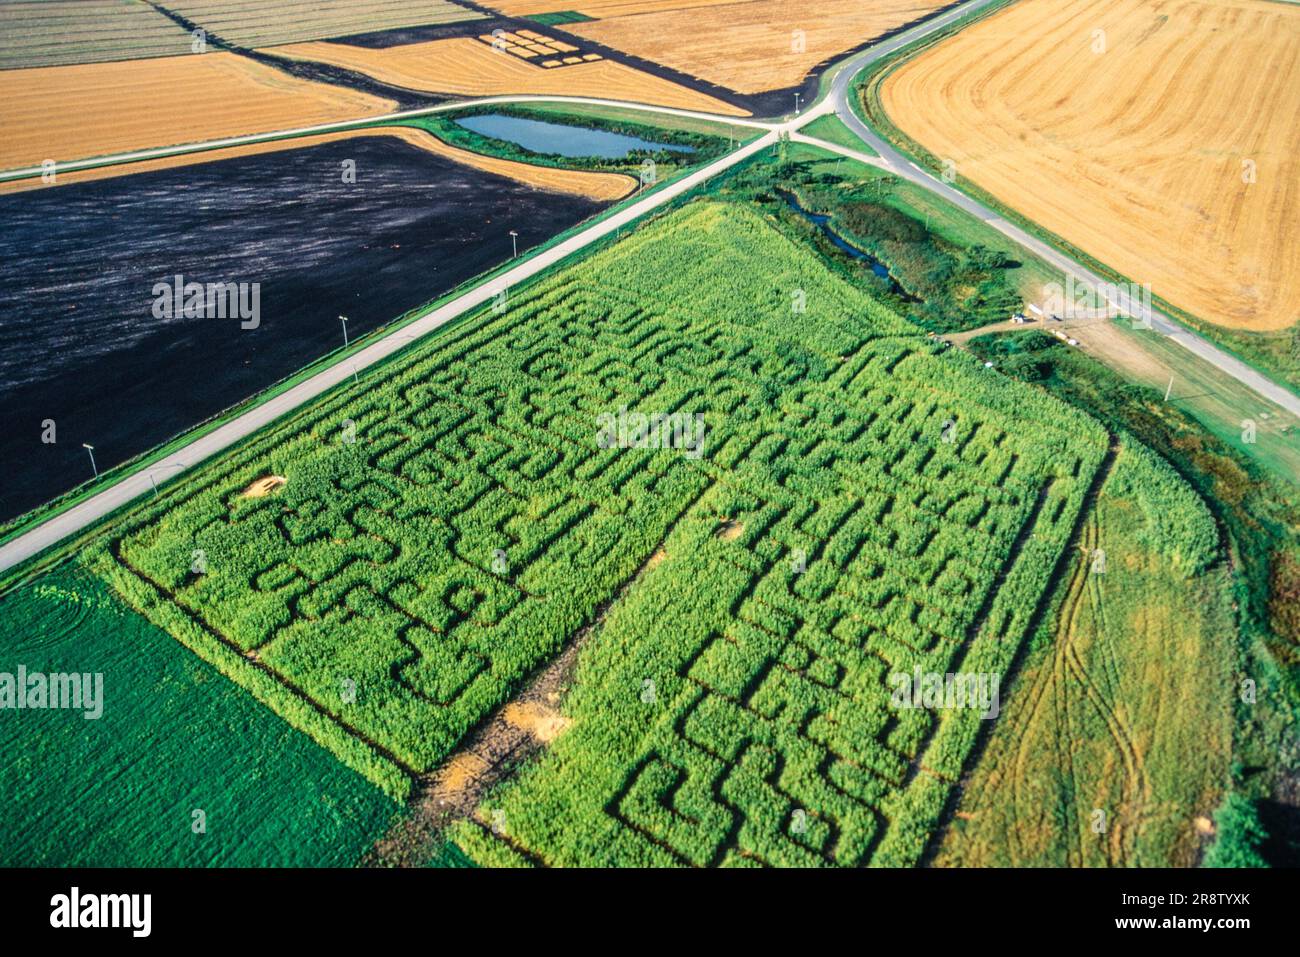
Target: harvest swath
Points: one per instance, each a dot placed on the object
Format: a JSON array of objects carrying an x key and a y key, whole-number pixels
[
  {"x": 442, "y": 534},
  {"x": 261, "y": 23},
  {"x": 56, "y": 32}
]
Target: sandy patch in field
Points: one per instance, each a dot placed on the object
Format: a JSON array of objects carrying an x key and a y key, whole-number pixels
[
  {"x": 1140, "y": 155},
  {"x": 466, "y": 66},
  {"x": 543, "y": 723},
  {"x": 68, "y": 113},
  {"x": 729, "y": 530},
  {"x": 461, "y": 771},
  {"x": 263, "y": 486},
  {"x": 753, "y": 46},
  {"x": 599, "y": 186},
  {"x": 1122, "y": 351}
]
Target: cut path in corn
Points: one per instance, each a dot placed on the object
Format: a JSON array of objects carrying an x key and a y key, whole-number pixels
[{"x": 836, "y": 99}]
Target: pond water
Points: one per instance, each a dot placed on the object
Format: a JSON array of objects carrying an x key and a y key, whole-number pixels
[
  {"x": 561, "y": 139},
  {"x": 823, "y": 221}
]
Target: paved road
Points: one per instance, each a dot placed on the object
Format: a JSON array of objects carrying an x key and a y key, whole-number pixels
[
  {"x": 68, "y": 166},
  {"x": 101, "y": 504},
  {"x": 840, "y": 100}
]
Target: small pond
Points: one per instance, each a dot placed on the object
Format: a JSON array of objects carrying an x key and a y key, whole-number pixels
[{"x": 561, "y": 139}]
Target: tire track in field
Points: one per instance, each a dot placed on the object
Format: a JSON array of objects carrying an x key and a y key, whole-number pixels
[
  {"x": 1042, "y": 689},
  {"x": 1135, "y": 785},
  {"x": 1061, "y": 698}
]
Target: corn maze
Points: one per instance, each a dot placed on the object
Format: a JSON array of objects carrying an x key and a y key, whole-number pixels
[{"x": 861, "y": 504}]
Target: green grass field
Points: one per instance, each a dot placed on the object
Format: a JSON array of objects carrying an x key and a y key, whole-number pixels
[
  {"x": 175, "y": 736},
  {"x": 558, "y": 17},
  {"x": 832, "y": 129},
  {"x": 1125, "y": 703}
]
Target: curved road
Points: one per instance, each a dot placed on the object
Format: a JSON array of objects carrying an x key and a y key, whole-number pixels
[
  {"x": 840, "y": 100},
  {"x": 834, "y": 100}
]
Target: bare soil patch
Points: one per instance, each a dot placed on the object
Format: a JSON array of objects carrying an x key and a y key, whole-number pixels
[{"x": 264, "y": 486}]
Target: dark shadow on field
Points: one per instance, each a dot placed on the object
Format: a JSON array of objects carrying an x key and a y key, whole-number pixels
[
  {"x": 768, "y": 103},
  {"x": 1282, "y": 822}
]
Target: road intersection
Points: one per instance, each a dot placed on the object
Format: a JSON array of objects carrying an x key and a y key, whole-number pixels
[{"x": 835, "y": 99}]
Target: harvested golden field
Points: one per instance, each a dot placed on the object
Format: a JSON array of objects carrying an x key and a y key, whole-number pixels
[
  {"x": 753, "y": 46},
  {"x": 599, "y": 186},
  {"x": 469, "y": 67},
  {"x": 1173, "y": 156},
  {"x": 78, "y": 112}
]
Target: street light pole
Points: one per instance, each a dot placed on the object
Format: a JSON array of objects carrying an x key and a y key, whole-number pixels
[
  {"x": 174, "y": 465},
  {"x": 796, "y": 103},
  {"x": 514, "y": 244},
  {"x": 345, "y": 331},
  {"x": 91, "y": 450}
]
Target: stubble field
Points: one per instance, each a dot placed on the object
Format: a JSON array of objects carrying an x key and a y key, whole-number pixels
[
  {"x": 752, "y": 46},
  {"x": 1166, "y": 146},
  {"x": 467, "y": 66},
  {"x": 68, "y": 113}
]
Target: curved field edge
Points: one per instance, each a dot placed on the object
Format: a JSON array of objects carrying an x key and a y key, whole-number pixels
[
  {"x": 1116, "y": 740},
  {"x": 1274, "y": 354}
]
